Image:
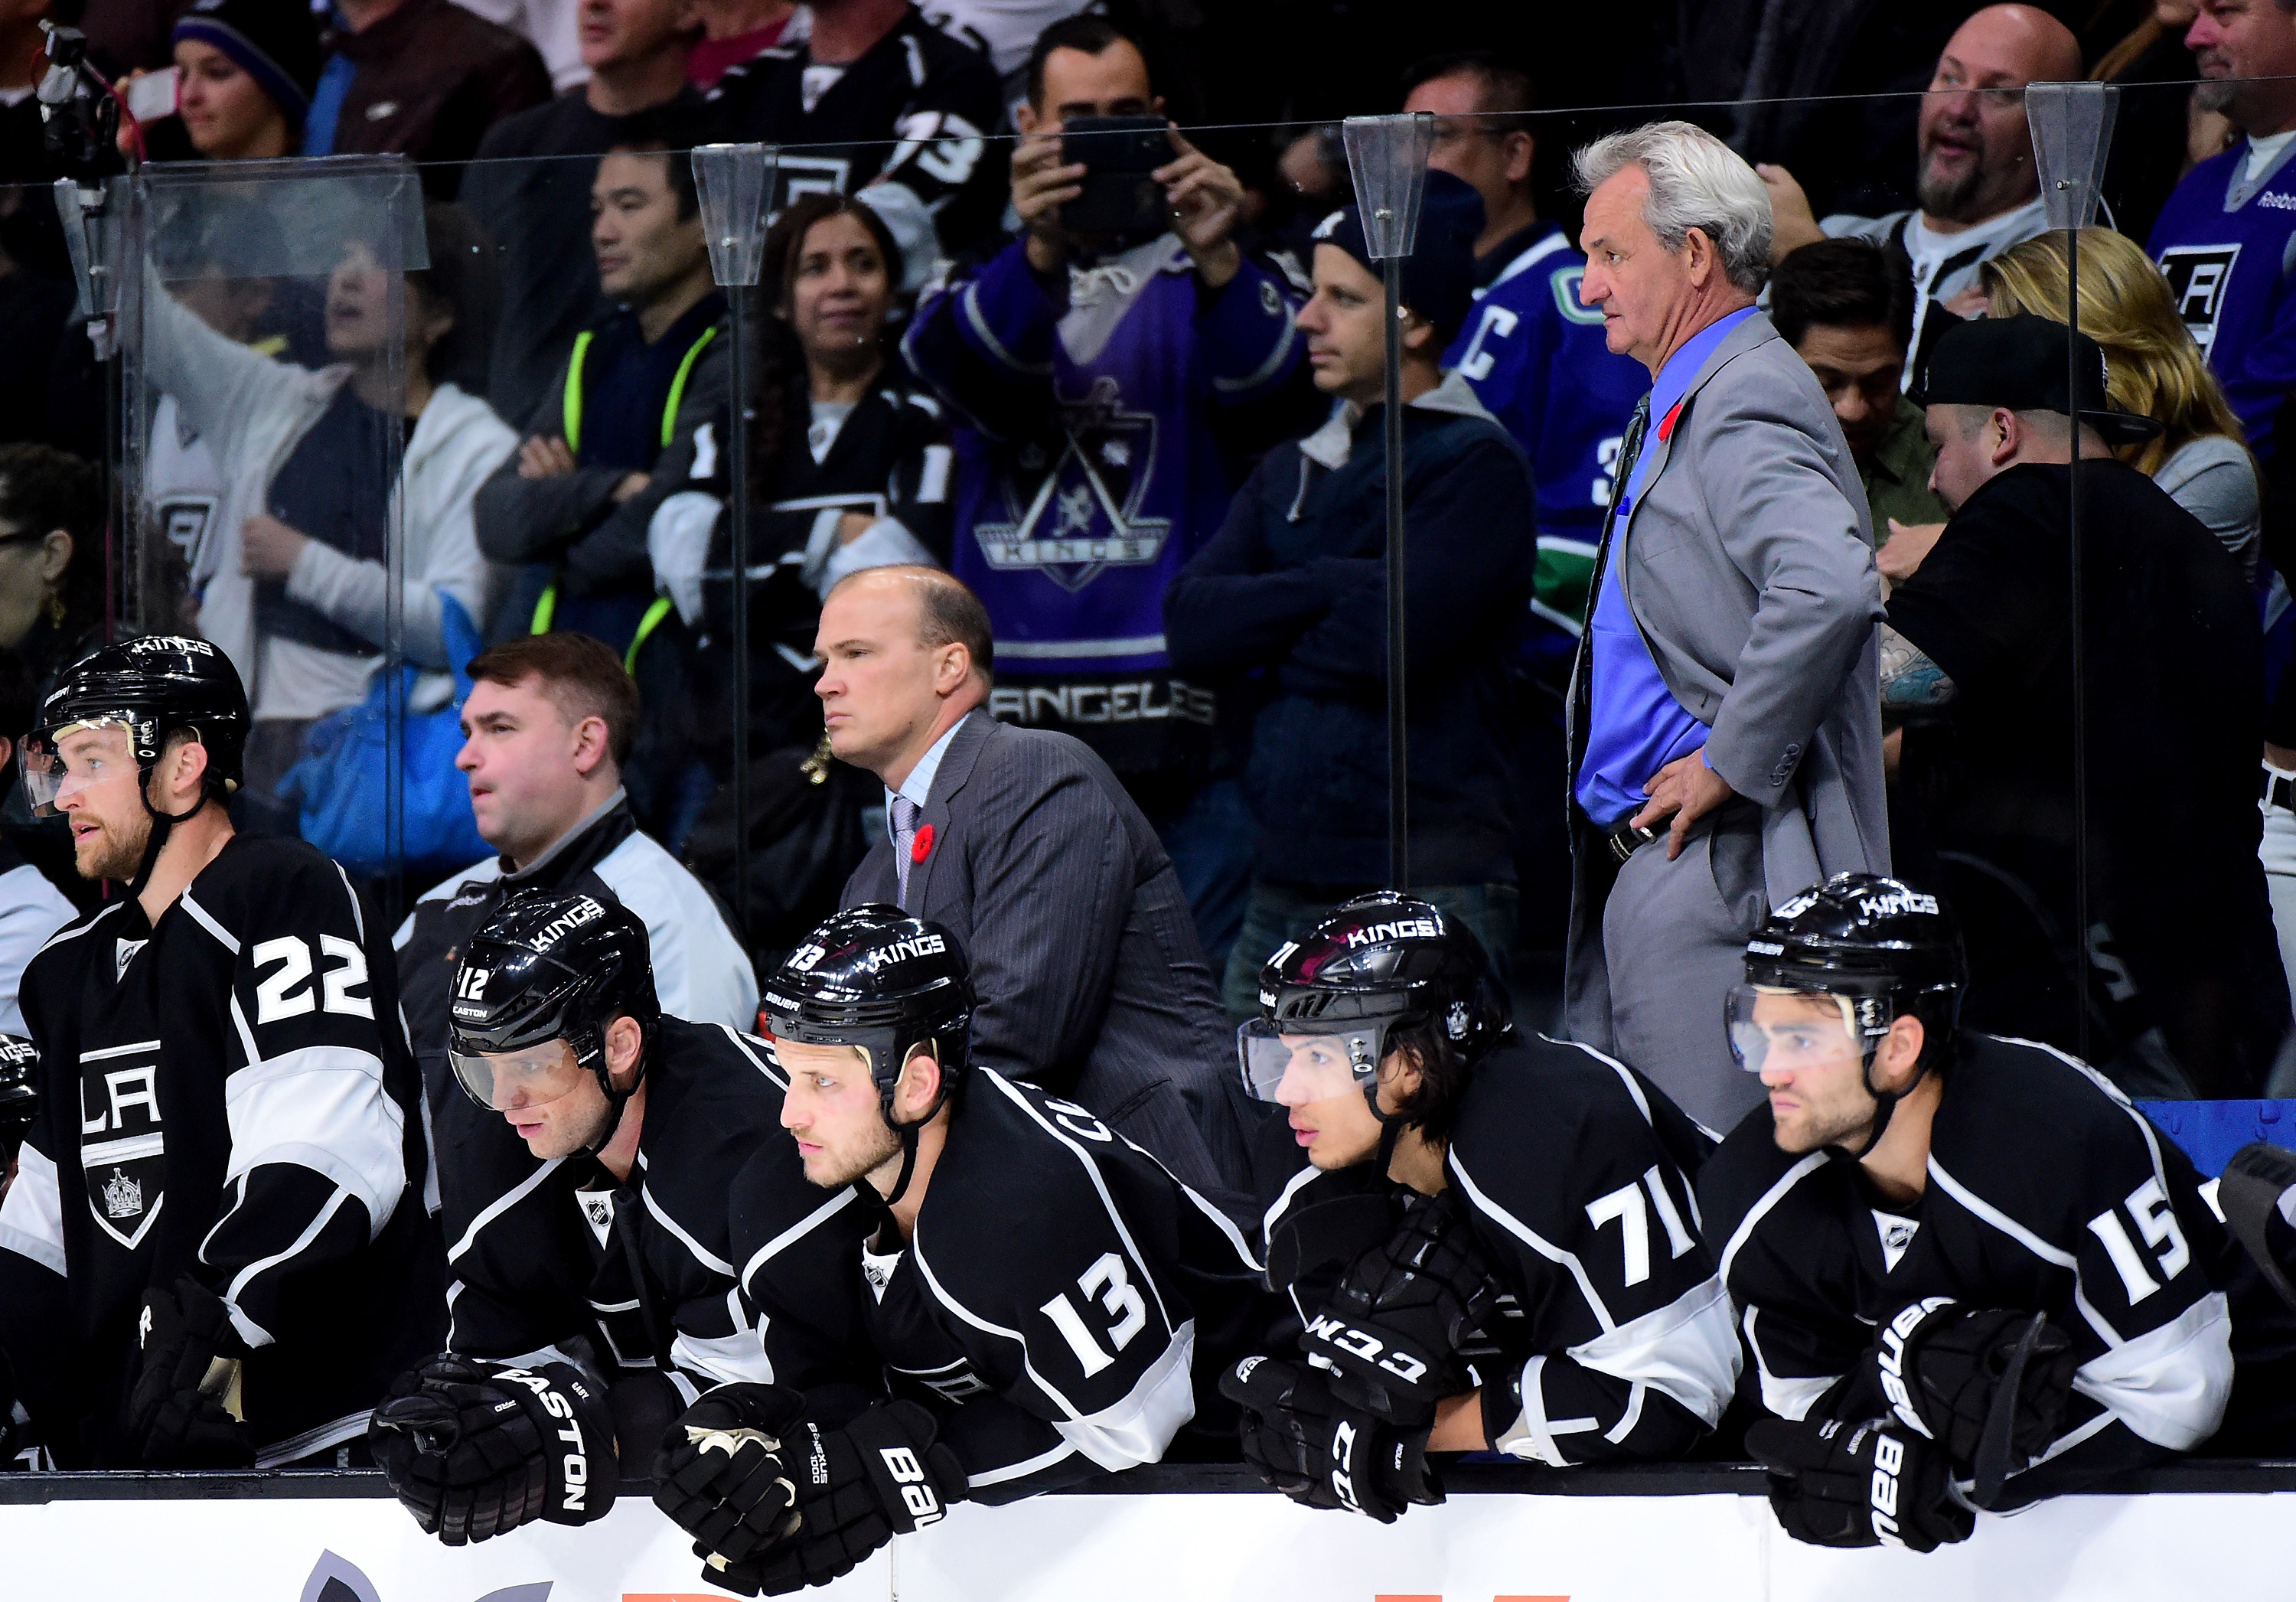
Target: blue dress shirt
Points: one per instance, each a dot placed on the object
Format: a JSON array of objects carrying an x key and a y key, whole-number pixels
[{"x": 1635, "y": 726}]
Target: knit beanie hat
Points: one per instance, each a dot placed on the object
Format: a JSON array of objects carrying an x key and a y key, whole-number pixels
[
  {"x": 276, "y": 42},
  {"x": 1438, "y": 275}
]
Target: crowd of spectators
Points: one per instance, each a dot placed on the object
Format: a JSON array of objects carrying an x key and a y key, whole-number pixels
[{"x": 1154, "y": 456}]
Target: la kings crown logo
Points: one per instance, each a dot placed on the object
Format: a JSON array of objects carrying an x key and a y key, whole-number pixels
[
  {"x": 1072, "y": 508},
  {"x": 123, "y": 1150}
]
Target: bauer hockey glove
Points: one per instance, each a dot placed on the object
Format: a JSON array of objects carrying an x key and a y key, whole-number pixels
[
  {"x": 1402, "y": 1310},
  {"x": 476, "y": 1448},
  {"x": 1989, "y": 1385},
  {"x": 722, "y": 1475},
  {"x": 183, "y": 1410},
  {"x": 1321, "y": 1451},
  {"x": 1836, "y": 1484},
  {"x": 881, "y": 1476}
]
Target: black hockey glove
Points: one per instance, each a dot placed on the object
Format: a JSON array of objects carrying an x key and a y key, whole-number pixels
[
  {"x": 2251, "y": 1191},
  {"x": 1989, "y": 1385},
  {"x": 1401, "y": 1312},
  {"x": 722, "y": 1475},
  {"x": 1836, "y": 1484},
  {"x": 1320, "y": 1451},
  {"x": 881, "y": 1476},
  {"x": 475, "y": 1449},
  {"x": 182, "y": 1412}
]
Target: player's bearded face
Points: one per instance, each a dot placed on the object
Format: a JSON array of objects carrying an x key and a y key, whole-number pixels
[
  {"x": 1813, "y": 1070},
  {"x": 110, "y": 824},
  {"x": 833, "y": 1110}
]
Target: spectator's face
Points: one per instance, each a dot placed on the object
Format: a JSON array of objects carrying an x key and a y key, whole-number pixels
[
  {"x": 1971, "y": 444},
  {"x": 1976, "y": 151},
  {"x": 103, "y": 802},
  {"x": 616, "y": 31},
  {"x": 877, "y": 674},
  {"x": 1497, "y": 163},
  {"x": 1113, "y": 84},
  {"x": 1324, "y": 1103},
  {"x": 1641, "y": 287},
  {"x": 833, "y": 1109},
  {"x": 839, "y": 292},
  {"x": 519, "y": 752},
  {"x": 1813, "y": 1070},
  {"x": 359, "y": 305},
  {"x": 32, "y": 563},
  {"x": 1858, "y": 369},
  {"x": 646, "y": 251},
  {"x": 224, "y": 110},
  {"x": 2247, "y": 39},
  {"x": 1347, "y": 348}
]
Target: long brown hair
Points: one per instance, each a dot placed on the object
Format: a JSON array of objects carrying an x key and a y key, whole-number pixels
[
  {"x": 782, "y": 388},
  {"x": 2152, "y": 367}
]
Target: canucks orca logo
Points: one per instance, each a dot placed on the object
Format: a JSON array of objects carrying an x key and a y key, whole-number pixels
[{"x": 1072, "y": 507}]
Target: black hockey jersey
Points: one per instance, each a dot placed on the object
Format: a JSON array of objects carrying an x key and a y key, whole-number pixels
[
  {"x": 1578, "y": 1174},
  {"x": 225, "y": 1093},
  {"x": 1064, "y": 1305},
  {"x": 915, "y": 110},
  {"x": 2047, "y": 1192},
  {"x": 640, "y": 1272}
]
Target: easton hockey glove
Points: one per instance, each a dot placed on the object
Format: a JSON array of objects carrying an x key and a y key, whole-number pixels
[
  {"x": 1322, "y": 1452},
  {"x": 722, "y": 1475},
  {"x": 183, "y": 1409},
  {"x": 1401, "y": 1312},
  {"x": 881, "y": 1476},
  {"x": 1989, "y": 1385},
  {"x": 475, "y": 1449},
  {"x": 1836, "y": 1484}
]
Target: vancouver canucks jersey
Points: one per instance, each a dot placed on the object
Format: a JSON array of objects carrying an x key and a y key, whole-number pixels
[
  {"x": 1537, "y": 359},
  {"x": 225, "y": 1093},
  {"x": 2227, "y": 243},
  {"x": 2047, "y": 1192}
]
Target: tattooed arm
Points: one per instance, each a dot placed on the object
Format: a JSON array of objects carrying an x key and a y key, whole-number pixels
[{"x": 1910, "y": 680}]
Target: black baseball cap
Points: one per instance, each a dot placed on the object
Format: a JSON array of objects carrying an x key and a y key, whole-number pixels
[{"x": 2018, "y": 363}]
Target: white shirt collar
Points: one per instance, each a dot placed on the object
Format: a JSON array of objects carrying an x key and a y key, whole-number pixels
[{"x": 918, "y": 785}]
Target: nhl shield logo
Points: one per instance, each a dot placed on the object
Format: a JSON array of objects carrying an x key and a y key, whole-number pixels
[{"x": 1072, "y": 505}]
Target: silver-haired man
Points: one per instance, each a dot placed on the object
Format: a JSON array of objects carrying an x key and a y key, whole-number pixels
[{"x": 1726, "y": 737}]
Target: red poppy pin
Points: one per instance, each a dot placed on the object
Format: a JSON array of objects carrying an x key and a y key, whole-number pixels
[
  {"x": 922, "y": 847},
  {"x": 1666, "y": 424}
]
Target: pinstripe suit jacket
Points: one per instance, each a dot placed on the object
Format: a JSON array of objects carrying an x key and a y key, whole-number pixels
[{"x": 1092, "y": 980}]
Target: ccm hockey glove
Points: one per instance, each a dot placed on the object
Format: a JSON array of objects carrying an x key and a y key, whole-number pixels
[
  {"x": 183, "y": 1410},
  {"x": 881, "y": 1476},
  {"x": 1836, "y": 1484},
  {"x": 1320, "y": 1451},
  {"x": 1401, "y": 1312},
  {"x": 476, "y": 1448},
  {"x": 722, "y": 1475},
  {"x": 1989, "y": 1385}
]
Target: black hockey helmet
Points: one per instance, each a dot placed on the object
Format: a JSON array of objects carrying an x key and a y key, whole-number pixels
[
  {"x": 875, "y": 978},
  {"x": 1882, "y": 949},
  {"x": 20, "y": 1093},
  {"x": 549, "y": 965},
  {"x": 1379, "y": 963},
  {"x": 152, "y": 687}
]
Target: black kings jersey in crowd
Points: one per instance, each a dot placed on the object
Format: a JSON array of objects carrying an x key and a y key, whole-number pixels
[
  {"x": 562, "y": 1256},
  {"x": 228, "y": 1094},
  {"x": 1578, "y": 1174},
  {"x": 2047, "y": 1192},
  {"x": 1064, "y": 1305},
  {"x": 916, "y": 108}
]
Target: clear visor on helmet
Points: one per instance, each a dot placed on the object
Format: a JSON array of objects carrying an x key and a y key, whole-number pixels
[
  {"x": 532, "y": 1076},
  {"x": 1772, "y": 1027},
  {"x": 60, "y": 763},
  {"x": 1299, "y": 1068}
]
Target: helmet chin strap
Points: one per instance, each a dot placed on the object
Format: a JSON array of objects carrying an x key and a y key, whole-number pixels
[
  {"x": 618, "y": 1102},
  {"x": 1390, "y": 1127},
  {"x": 909, "y": 1132},
  {"x": 1885, "y": 1102},
  {"x": 163, "y": 824}
]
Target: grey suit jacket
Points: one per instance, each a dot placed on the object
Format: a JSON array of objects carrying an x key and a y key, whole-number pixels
[
  {"x": 1091, "y": 979},
  {"x": 1749, "y": 568}
]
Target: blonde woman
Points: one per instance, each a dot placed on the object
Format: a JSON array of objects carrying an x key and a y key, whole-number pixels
[{"x": 2152, "y": 368}]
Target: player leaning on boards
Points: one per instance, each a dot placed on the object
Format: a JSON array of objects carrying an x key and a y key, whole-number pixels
[
  {"x": 1527, "y": 1201},
  {"x": 1043, "y": 1293},
  {"x": 224, "y": 1037},
  {"x": 597, "y": 1292},
  {"x": 1971, "y": 1274}
]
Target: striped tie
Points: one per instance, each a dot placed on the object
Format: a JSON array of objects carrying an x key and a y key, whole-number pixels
[{"x": 904, "y": 842}]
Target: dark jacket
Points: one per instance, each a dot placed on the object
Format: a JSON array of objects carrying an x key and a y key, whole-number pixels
[
  {"x": 1294, "y": 584},
  {"x": 1092, "y": 980},
  {"x": 431, "y": 79}
]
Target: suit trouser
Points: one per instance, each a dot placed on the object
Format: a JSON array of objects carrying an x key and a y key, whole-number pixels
[{"x": 1673, "y": 943}]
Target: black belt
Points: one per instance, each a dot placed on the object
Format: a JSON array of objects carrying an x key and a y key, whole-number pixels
[
  {"x": 1626, "y": 840},
  {"x": 2279, "y": 791}
]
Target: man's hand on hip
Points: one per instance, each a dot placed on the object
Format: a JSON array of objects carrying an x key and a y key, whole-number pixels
[{"x": 1687, "y": 789}]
